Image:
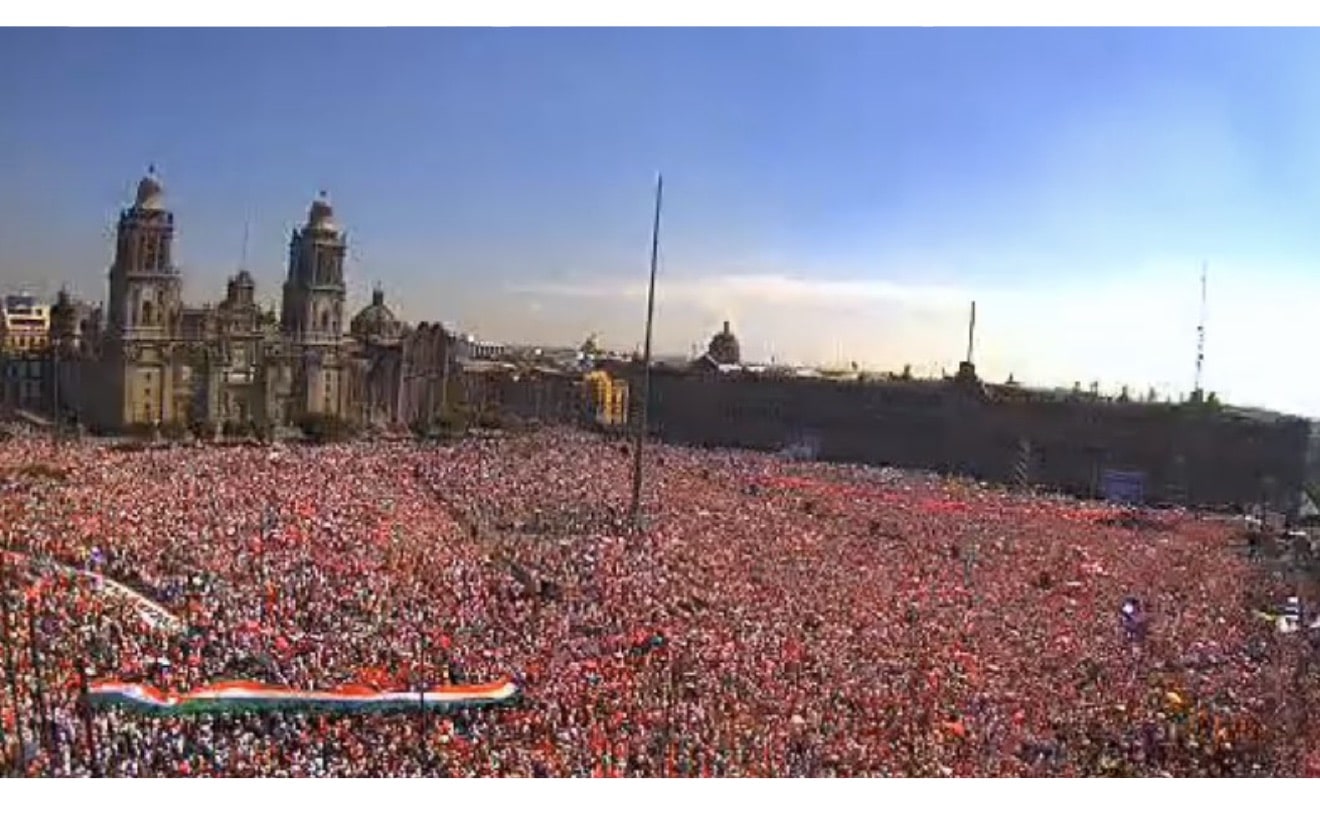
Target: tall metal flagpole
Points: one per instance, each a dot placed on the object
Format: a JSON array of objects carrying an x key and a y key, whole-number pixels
[{"x": 639, "y": 439}]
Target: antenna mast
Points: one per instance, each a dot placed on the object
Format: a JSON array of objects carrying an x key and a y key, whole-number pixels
[
  {"x": 971, "y": 333},
  {"x": 1200, "y": 337}
]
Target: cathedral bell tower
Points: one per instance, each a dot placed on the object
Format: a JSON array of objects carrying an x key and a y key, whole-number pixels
[
  {"x": 145, "y": 287},
  {"x": 145, "y": 383},
  {"x": 314, "y": 293},
  {"x": 312, "y": 317}
]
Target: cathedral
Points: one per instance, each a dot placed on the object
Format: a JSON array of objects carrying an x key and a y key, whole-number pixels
[{"x": 147, "y": 360}]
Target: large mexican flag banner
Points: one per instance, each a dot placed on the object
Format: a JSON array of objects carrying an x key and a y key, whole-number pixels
[{"x": 244, "y": 696}]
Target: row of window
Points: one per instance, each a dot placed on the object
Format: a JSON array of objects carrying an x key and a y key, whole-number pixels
[
  {"x": 23, "y": 369},
  {"x": 26, "y": 342},
  {"x": 147, "y": 314},
  {"x": 151, "y": 253},
  {"x": 327, "y": 323},
  {"x": 23, "y": 392}
]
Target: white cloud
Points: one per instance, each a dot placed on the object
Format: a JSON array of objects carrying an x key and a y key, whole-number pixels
[{"x": 778, "y": 289}]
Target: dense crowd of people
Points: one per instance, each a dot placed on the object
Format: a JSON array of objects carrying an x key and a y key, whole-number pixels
[{"x": 772, "y": 618}]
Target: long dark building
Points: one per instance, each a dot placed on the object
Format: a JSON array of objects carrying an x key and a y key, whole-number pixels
[{"x": 1193, "y": 453}]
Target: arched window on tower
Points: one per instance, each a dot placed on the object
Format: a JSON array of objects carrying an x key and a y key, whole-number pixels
[
  {"x": 148, "y": 313},
  {"x": 325, "y": 321}
]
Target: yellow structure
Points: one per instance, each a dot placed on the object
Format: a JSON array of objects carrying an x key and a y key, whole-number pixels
[
  {"x": 24, "y": 325},
  {"x": 618, "y": 406},
  {"x": 608, "y": 399}
]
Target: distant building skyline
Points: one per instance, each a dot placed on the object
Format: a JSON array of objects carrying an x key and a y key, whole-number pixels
[{"x": 842, "y": 358}]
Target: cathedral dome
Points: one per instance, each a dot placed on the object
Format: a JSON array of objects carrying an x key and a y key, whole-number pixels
[
  {"x": 724, "y": 348},
  {"x": 376, "y": 321},
  {"x": 591, "y": 347},
  {"x": 150, "y": 194}
]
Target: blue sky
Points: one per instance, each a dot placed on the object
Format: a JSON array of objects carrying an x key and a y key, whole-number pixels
[{"x": 838, "y": 194}]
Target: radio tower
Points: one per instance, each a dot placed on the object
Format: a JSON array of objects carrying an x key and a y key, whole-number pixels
[{"x": 1200, "y": 340}]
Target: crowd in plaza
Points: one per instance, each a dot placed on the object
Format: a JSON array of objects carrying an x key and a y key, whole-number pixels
[{"x": 772, "y": 618}]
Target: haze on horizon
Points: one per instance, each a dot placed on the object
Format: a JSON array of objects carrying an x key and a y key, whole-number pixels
[{"x": 838, "y": 195}]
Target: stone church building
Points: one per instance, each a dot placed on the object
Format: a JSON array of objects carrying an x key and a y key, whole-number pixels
[{"x": 148, "y": 360}]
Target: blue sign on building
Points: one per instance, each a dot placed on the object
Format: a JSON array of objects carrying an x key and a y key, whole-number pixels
[{"x": 1123, "y": 486}]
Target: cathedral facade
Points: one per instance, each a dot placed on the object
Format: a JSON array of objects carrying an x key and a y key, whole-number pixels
[{"x": 147, "y": 360}]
